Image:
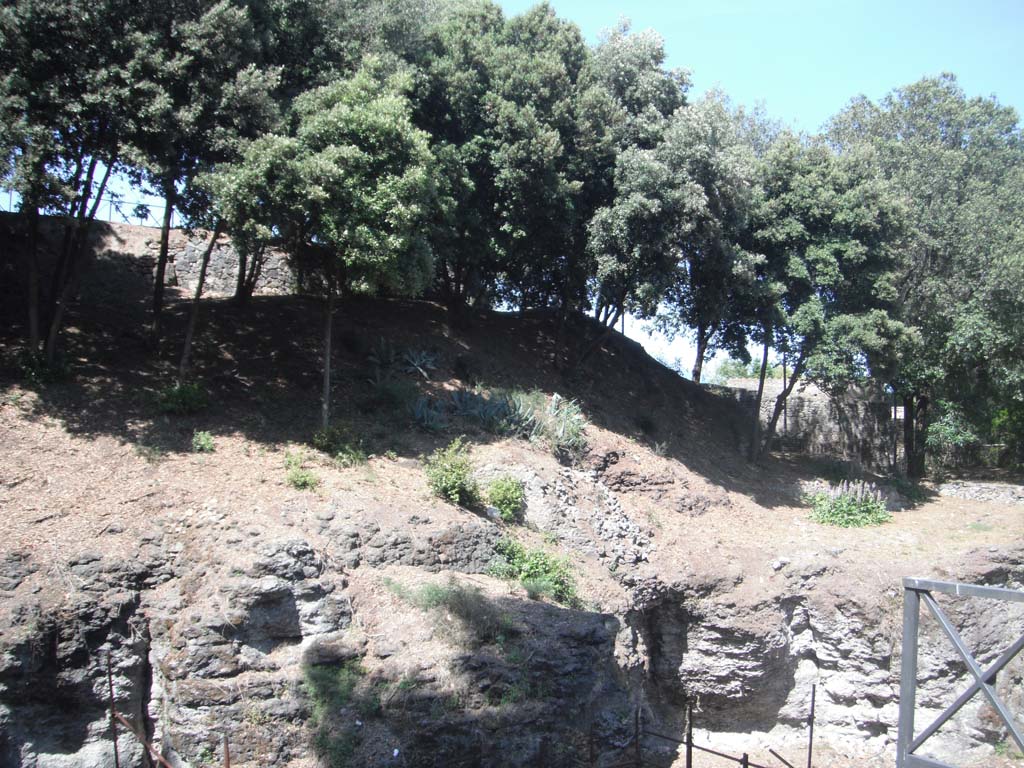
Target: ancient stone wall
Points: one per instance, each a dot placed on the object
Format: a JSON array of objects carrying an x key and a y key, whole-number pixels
[
  {"x": 856, "y": 426},
  {"x": 120, "y": 262}
]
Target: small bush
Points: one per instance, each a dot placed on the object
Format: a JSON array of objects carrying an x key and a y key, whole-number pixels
[
  {"x": 181, "y": 399},
  {"x": 35, "y": 371},
  {"x": 430, "y": 414},
  {"x": 420, "y": 361},
  {"x": 507, "y": 494},
  {"x": 559, "y": 423},
  {"x": 849, "y": 505},
  {"x": 450, "y": 474},
  {"x": 391, "y": 394},
  {"x": 951, "y": 438},
  {"x": 298, "y": 477},
  {"x": 535, "y": 567},
  {"x": 339, "y": 444},
  {"x": 202, "y": 442}
]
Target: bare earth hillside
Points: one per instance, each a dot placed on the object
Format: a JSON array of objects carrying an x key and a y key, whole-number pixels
[{"x": 302, "y": 625}]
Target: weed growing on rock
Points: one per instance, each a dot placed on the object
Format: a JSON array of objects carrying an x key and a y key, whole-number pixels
[
  {"x": 182, "y": 399},
  {"x": 538, "y": 572},
  {"x": 298, "y": 477},
  {"x": 202, "y": 442},
  {"x": 507, "y": 495},
  {"x": 849, "y": 505},
  {"x": 474, "y": 611},
  {"x": 450, "y": 474}
]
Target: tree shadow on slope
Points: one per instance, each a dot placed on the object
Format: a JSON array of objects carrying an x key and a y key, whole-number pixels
[{"x": 260, "y": 365}]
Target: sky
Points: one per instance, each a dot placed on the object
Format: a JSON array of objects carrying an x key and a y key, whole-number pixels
[{"x": 804, "y": 60}]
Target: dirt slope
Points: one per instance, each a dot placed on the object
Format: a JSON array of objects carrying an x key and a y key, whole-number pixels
[{"x": 699, "y": 575}]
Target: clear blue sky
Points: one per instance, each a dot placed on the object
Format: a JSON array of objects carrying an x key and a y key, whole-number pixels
[{"x": 805, "y": 59}]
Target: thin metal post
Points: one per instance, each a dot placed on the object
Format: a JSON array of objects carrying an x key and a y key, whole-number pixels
[
  {"x": 113, "y": 713},
  {"x": 810, "y": 723},
  {"x": 908, "y": 673},
  {"x": 227, "y": 753},
  {"x": 745, "y": 761},
  {"x": 689, "y": 736}
]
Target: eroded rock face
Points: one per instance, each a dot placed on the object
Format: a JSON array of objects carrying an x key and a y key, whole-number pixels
[
  {"x": 201, "y": 647},
  {"x": 752, "y": 668}
]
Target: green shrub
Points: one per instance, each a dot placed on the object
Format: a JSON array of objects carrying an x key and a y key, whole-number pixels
[
  {"x": 181, "y": 399},
  {"x": 35, "y": 371},
  {"x": 338, "y": 443},
  {"x": 535, "y": 567},
  {"x": 202, "y": 442},
  {"x": 450, "y": 474},
  {"x": 558, "y": 422},
  {"x": 951, "y": 438},
  {"x": 507, "y": 495},
  {"x": 849, "y": 505},
  {"x": 430, "y": 414},
  {"x": 298, "y": 477}
]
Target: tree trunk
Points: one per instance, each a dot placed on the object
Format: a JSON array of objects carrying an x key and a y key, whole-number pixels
[
  {"x": 920, "y": 427},
  {"x": 780, "y": 404},
  {"x": 325, "y": 403},
  {"x": 193, "y": 317},
  {"x": 755, "y": 433},
  {"x": 253, "y": 275},
  {"x": 909, "y": 446},
  {"x": 170, "y": 196},
  {"x": 85, "y": 216},
  {"x": 240, "y": 296},
  {"x": 597, "y": 342},
  {"x": 702, "y": 349}
]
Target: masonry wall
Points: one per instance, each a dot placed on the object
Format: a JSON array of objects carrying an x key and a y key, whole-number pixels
[
  {"x": 857, "y": 426},
  {"x": 120, "y": 262}
]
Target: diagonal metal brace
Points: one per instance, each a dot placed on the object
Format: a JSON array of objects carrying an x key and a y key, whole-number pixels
[
  {"x": 966, "y": 696},
  {"x": 980, "y": 677}
]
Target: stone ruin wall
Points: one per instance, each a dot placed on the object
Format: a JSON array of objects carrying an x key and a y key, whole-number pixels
[
  {"x": 857, "y": 426},
  {"x": 121, "y": 260}
]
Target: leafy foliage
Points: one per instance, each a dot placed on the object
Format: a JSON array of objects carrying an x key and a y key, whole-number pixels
[
  {"x": 180, "y": 399},
  {"x": 338, "y": 442},
  {"x": 202, "y": 442},
  {"x": 507, "y": 494},
  {"x": 544, "y": 573},
  {"x": 849, "y": 505},
  {"x": 450, "y": 474},
  {"x": 297, "y": 476}
]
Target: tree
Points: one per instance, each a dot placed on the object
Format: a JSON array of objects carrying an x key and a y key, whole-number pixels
[
  {"x": 955, "y": 161},
  {"x": 70, "y": 109},
  {"x": 457, "y": 75},
  {"x": 829, "y": 228},
  {"x": 345, "y": 193},
  {"x": 198, "y": 67},
  {"x": 704, "y": 144}
]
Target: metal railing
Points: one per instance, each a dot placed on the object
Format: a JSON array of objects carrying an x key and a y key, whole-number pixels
[
  {"x": 111, "y": 208},
  {"x": 916, "y": 592},
  {"x": 639, "y": 760}
]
